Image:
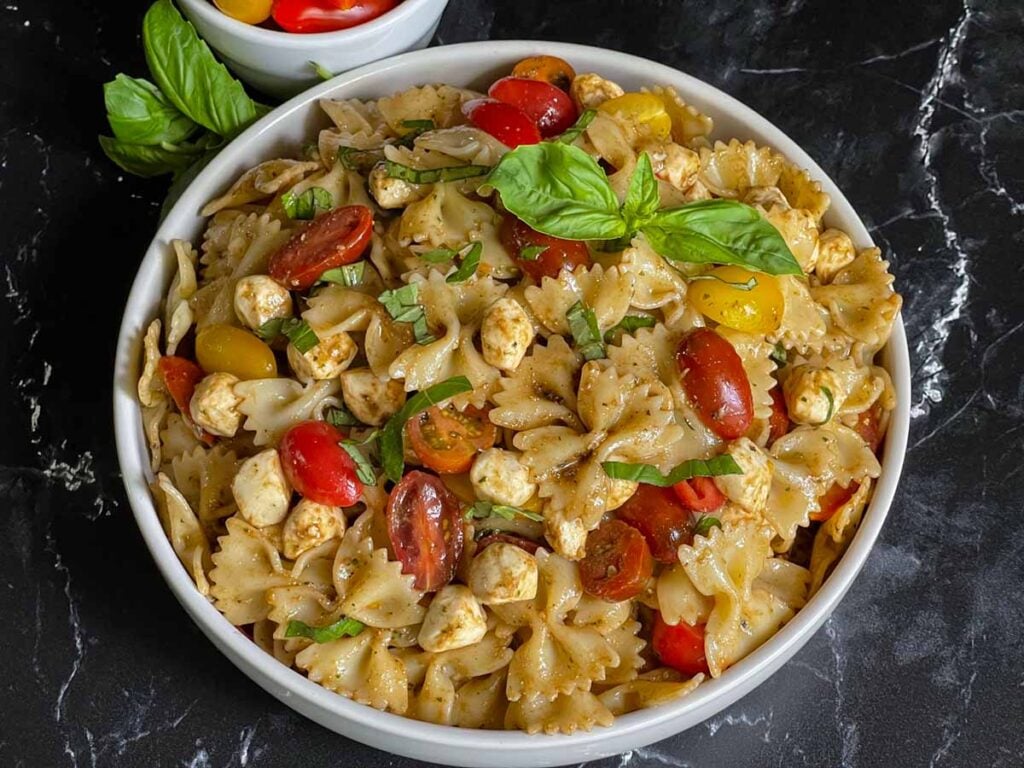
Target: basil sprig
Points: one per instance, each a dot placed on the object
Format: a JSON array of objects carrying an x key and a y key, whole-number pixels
[
  {"x": 585, "y": 331},
  {"x": 343, "y": 627},
  {"x": 297, "y": 331},
  {"x": 484, "y": 509},
  {"x": 303, "y": 206},
  {"x": 560, "y": 190},
  {"x": 651, "y": 475},
  {"x": 392, "y": 451}
]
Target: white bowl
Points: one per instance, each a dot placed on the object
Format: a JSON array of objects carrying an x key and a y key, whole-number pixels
[
  {"x": 278, "y": 63},
  {"x": 286, "y": 129}
]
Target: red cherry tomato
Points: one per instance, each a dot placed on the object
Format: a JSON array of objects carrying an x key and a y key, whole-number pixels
[
  {"x": 869, "y": 427},
  {"x": 713, "y": 376},
  {"x": 549, "y": 107},
  {"x": 618, "y": 562},
  {"x": 181, "y": 376},
  {"x": 336, "y": 238},
  {"x": 447, "y": 440},
  {"x": 522, "y": 542},
  {"x": 832, "y": 500},
  {"x": 327, "y": 15},
  {"x": 680, "y": 647},
  {"x": 425, "y": 529},
  {"x": 699, "y": 494},
  {"x": 317, "y": 466},
  {"x": 658, "y": 515},
  {"x": 557, "y": 253},
  {"x": 508, "y": 124},
  {"x": 778, "y": 422}
]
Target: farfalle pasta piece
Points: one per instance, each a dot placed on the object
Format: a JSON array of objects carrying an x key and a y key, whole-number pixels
[
  {"x": 627, "y": 643},
  {"x": 465, "y": 143},
  {"x": 542, "y": 390},
  {"x": 800, "y": 231},
  {"x": 607, "y": 292},
  {"x": 835, "y": 535},
  {"x": 336, "y": 309},
  {"x": 355, "y": 116},
  {"x": 346, "y": 187},
  {"x": 184, "y": 531},
  {"x": 755, "y": 354},
  {"x": 204, "y": 476},
  {"x": 805, "y": 323},
  {"x": 481, "y": 703},
  {"x": 861, "y": 300},
  {"x": 565, "y": 714},
  {"x": 361, "y": 668},
  {"x": 245, "y": 567},
  {"x": 445, "y": 218},
  {"x": 441, "y": 104},
  {"x": 803, "y": 192},
  {"x": 655, "y": 283},
  {"x": 272, "y": 405},
  {"x": 260, "y": 183},
  {"x": 688, "y": 123},
  {"x": 150, "y": 387},
  {"x": 651, "y": 689},
  {"x": 730, "y": 169},
  {"x": 679, "y": 600},
  {"x": 178, "y": 315},
  {"x": 174, "y": 436}
]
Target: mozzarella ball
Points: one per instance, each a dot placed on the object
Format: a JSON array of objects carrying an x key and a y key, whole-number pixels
[
  {"x": 453, "y": 620},
  {"x": 369, "y": 398},
  {"x": 261, "y": 490},
  {"x": 589, "y": 91},
  {"x": 391, "y": 192},
  {"x": 567, "y": 536},
  {"x": 806, "y": 397},
  {"x": 324, "y": 361},
  {"x": 750, "y": 489},
  {"x": 309, "y": 525},
  {"x": 214, "y": 405},
  {"x": 505, "y": 334},
  {"x": 258, "y": 298},
  {"x": 619, "y": 492},
  {"x": 499, "y": 476},
  {"x": 503, "y": 573},
  {"x": 835, "y": 251}
]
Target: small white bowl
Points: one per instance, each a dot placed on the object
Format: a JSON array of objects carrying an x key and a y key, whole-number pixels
[
  {"x": 286, "y": 129},
  {"x": 279, "y": 63}
]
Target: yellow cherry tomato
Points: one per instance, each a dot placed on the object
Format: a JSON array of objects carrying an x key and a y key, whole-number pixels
[
  {"x": 226, "y": 349},
  {"x": 249, "y": 11},
  {"x": 738, "y": 298},
  {"x": 645, "y": 110}
]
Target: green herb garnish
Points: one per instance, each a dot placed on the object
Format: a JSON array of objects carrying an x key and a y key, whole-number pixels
[
  {"x": 364, "y": 469},
  {"x": 297, "y": 331},
  {"x": 468, "y": 266},
  {"x": 343, "y": 627},
  {"x": 483, "y": 509},
  {"x": 704, "y": 525},
  {"x": 359, "y": 160},
  {"x": 747, "y": 285},
  {"x": 831, "y": 404},
  {"x": 532, "y": 252},
  {"x": 648, "y": 473},
  {"x": 321, "y": 71},
  {"x": 779, "y": 355},
  {"x": 578, "y": 127},
  {"x": 340, "y": 416},
  {"x": 585, "y": 331},
  {"x": 349, "y": 275},
  {"x": 628, "y": 324},
  {"x": 433, "y": 175},
  {"x": 304, "y": 205},
  {"x": 439, "y": 255},
  {"x": 416, "y": 128},
  {"x": 404, "y": 307}
]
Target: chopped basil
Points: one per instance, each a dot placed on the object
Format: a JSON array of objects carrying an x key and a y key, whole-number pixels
[
  {"x": 468, "y": 266},
  {"x": 578, "y": 127},
  {"x": 416, "y": 128},
  {"x": 392, "y": 452},
  {"x": 647, "y": 473},
  {"x": 403, "y": 306},
  {"x": 304, "y": 205},
  {"x": 831, "y": 403},
  {"x": 628, "y": 324},
  {"x": 585, "y": 331},
  {"x": 297, "y": 331},
  {"x": 779, "y": 354},
  {"x": 439, "y": 255},
  {"x": 364, "y": 469},
  {"x": 532, "y": 252},
  {"x": 340, "y": 416},
  {"x": 749, "y": 285},
  {"x": 704, "y": 525},
  {"x": 343, "y": 627},
  {"x": 432, "y": 175},
  {"x": 360, "y": 160},
  {"x": 483, "y": 509},
  {"x": 321, "y": 71},
  {"x": 349, "y": 275}
]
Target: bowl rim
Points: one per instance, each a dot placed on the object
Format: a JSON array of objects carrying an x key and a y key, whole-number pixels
[
  {"x": 321, "y": 704},
  {"x": 257, "y": 35}
]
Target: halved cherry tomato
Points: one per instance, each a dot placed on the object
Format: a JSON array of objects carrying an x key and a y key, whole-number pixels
[
  {"x": 728, "y": 297},
  {"x": 618, "y": 562},
  {"x": 327, "y": 15},
  {"x": 228, "y": 349},
  {"x": 832, "y": 500},
  {"x": 869, "y": 427},
  {"x": 317, "y": 466},
  {"x": 549, "y": 69},
  {"x": 680, "y": 647},
  {"x": 646, "y": 111},
  {"x": 522, "y": 542},
  {"x": 336, "y": 238},
  {"x": 557, "y": 253},
  {"x": 447, "y": 440},
  {"x": 425, "y": 529},
  {"x": 249, "y": 11},
  {"x": 508, "y": 124},
  {"x": 778, "y": 422},
  {"x": 713, "y": 376},
  {"x": 550, "y": 108},
  {"x": 180, "y": 376},
  {"x": 699, "y": 494},
  {"x": 658, "y": 515}
]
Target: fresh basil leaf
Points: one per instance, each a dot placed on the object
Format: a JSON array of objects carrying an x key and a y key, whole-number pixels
[
  {"x": 304, "y": 205},
  {"x": 404, "y": 307},
  {"x": 416, "y": 128},
  {"x": 468, "y": 266},
  {"x": 831, "y": 404},
  {"x": 432, "y": 175},
  {"x": 747, "y": 285},
  {"x": 704, "y": 525},
  {"x": 297, "y": 331},
  {"x": 139, "y": 113},
  {"x": 392, "y": 452},
  {"x": 321, "y": 71},
  {"x": 364, "y": 469},
  {"x": 360, "y": 160},
  {"x": 647, "y": 473},
  {"x": 145, "y": 160},
  {"x": 349, "y": 275},
  {"x": 532, "y": 252},
  {"x": 780, "y": 355},
  {"x": 484, "y": 509},
  {"x": 189, "y": 75},
  {"x": 340, "y": 416},
  {"x": 642, "y": 198},
  {"x": 439, "y": 255},
  {"x": 585, "y": 331},
  {"x": 343, "y": 627},
  {"x": 574, "y": 131},
  {"x": 560, "y": 190},
  {"x": 720, "y": 232},
  {"x": 628, "y": 324}
]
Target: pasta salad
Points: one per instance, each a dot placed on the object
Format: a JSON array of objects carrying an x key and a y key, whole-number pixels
[{"x": 521, "y": 410}]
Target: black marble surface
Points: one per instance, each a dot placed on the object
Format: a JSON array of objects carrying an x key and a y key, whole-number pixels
[{"x": 915, "y": 108}]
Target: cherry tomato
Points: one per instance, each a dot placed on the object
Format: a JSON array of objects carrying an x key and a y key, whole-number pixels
[
  {"x": 618, "y": 562},
  {"x": 658, "y": 515},
  {"x": 869, "y": 427},
  {"x": 550, "y": 108},
  {"x": 317, "y": 466},
  {"x": 778, "y": 422},
  {"x": 508, "y": 124},
  {"x": 830, "y": 502},
  {"x": 249, "y": 11},
  {"x": 557, "y": 253},
  {"x": 425, "y": 529},
  {"x": 236, "y": 351},
  {"x": 447, "y": 440},
  {"x": 680, "y": 647},
  {"x": 713, "y": 376},
  {"x": 724, "y": 296},
  {"x": 522, "y": 542},
  {"x": 699, "y": 494},
  {"x": 180, "y": 376},
  {"x": 327, "y": 15},
  {"x": 548, "y": 69},
  {"x": 644, "y": 110},
  {"x": 336, "y": 238}
]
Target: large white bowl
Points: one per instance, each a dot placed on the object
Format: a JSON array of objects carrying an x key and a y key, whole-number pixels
[
  {"x": 280, "y": 63},
  {"x": 285, "y": 130}
]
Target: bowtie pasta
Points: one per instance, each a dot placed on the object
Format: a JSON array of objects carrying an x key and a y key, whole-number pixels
[{"x": 517, "y": 412}]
